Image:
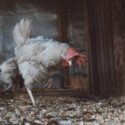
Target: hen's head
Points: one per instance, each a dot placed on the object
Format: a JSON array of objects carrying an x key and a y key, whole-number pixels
[{"x": 73, "y": 54}]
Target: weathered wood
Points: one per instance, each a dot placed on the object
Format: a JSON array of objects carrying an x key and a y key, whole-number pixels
[
  {"x": 118, "y": 11},
  {"x": 60, "y": 92},
  {"x": 101, "y": 56}
]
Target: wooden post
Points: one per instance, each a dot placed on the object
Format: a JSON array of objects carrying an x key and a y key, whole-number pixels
[{"x": 63, "y": 36}]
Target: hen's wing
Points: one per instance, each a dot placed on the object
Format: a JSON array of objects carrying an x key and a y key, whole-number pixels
[{"x": 29, "y": 52}]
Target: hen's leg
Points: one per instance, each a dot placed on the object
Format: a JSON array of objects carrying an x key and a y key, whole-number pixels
[
  {"x": 31, "y": 96},
  {"x": 49, "y": 83}
]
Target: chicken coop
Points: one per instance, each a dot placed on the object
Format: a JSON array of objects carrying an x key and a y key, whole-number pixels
[{"x": 95, "y": 28}]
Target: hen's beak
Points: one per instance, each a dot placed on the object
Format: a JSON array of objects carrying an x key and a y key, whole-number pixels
[{"x": 70, "y": 62}]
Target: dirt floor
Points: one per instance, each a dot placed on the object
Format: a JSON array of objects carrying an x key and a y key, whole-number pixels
[{"x": 18, "y": 109}]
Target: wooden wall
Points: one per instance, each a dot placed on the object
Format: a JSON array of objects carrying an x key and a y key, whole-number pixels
[
  {"x": 95, "y": 27},
  {"x": 101, "y": 57},
  {"x": 106, "y": 20}
]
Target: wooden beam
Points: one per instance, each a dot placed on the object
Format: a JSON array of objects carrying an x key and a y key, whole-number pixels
[{"x": 62, "y": 19}]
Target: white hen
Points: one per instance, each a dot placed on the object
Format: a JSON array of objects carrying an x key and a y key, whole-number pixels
[{"x": 39, "y": 58}]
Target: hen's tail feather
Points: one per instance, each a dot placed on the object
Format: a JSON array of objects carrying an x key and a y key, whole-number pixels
[{"x": 22, "y": 31}]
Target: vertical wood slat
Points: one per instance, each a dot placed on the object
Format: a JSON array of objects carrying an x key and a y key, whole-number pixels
[
  {"x": 63, "y": 36},
  {"x": 101, "y": 58},
  {"x": 118, "y": 10}
]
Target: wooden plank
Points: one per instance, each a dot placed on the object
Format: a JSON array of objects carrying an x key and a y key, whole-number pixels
[
  {"x": 101, "y": 56},
  {"x": 118, "y": 11},
  {"x": 63, "y": 36}
]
